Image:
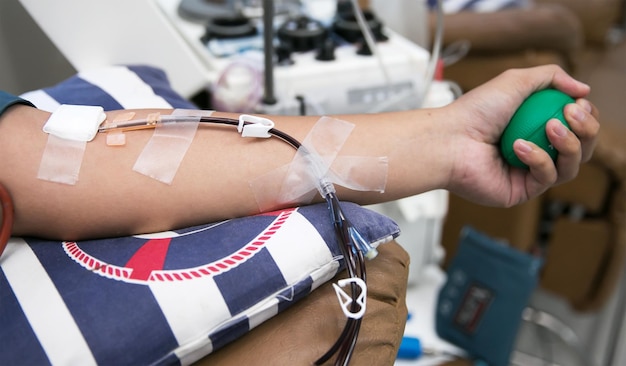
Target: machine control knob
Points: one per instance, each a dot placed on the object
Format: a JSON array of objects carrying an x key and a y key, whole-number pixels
[
  {"x": 326, "y": 51},
  {"x": 302, "y": 34}
]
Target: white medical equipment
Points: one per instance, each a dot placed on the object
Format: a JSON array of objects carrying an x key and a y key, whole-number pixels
[{"x": 100, "y": 33}]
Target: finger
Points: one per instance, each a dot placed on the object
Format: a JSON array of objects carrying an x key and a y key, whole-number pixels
[
  {"x": 583, "y": 119},
  {"x": 537, "y": 78},
  {"x": 542, "y": 171},
  {"x": 567, "y": 84},
  {"x": 569, "y": 148}
]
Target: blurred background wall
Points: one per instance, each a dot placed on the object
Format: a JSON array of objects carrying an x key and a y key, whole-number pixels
[{"x": 28, "y": 60}]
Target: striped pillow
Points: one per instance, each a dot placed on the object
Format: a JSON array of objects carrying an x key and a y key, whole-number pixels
[
  {"x": 164, "y": 298},
  {"x": 455, "y": 6},
  {"x": 113, "y": 88}
]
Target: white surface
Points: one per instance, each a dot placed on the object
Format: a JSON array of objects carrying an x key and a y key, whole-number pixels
[
  {"x": 420, "y": 219},
  {"x": 407, "y": 17},
  {"x": 93, "y": 34}
]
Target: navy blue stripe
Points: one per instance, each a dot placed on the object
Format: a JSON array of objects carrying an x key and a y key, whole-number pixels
[
  {"x": 512, "y": 4},
  {"x": 170, "y": 360},
  {"x": 372, "y": 225},
  {"x": 80, "y": 92},
  {"x": 470, "y": 4},
  {"x": 234, "y": 330},
  {"x": 77, "y": 91},
  {"x": 112, "y": 315},
  {"x": 18, "y": 343},
  {"x": 239, "y": 328},
  {"x": 218, "y": 242},
  {"x": 260, "y": 269},
  {"x": 159, "y": 82},
  {"x": 294, "y": 294}
]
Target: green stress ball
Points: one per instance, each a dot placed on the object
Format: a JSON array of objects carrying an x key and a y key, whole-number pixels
[{"x": 529, "y": 123}]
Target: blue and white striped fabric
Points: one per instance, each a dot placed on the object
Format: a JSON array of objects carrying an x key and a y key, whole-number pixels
[
  {"x": 164, "y": 298},
  {"x": 113, "y": 88},
  {"x": 455, "y": 6}
]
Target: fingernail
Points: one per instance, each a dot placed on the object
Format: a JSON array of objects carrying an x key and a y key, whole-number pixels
[
  {"x": 560, "y": 130},
  {"x": 523, "y": 146},
  {"x": 578, "y": 113},
  {"x": 586, "y": 105}
]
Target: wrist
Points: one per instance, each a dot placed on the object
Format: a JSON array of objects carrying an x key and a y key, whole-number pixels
[
  {"x": 420, "y": 159},
  {"x": 438, "y": 150}
]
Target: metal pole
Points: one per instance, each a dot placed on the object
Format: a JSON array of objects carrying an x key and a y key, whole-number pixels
[{"x": 268, "y": 47}]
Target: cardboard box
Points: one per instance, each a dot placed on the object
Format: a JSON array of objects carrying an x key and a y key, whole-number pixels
[
  {"x": 590, "y": 189},
  {"x": 517, "y": 225},
  {"x": 576, "y": 255}
]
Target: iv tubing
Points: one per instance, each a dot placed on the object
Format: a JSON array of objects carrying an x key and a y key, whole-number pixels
[
  {"x": 351, "y": 250},
  {"x": 369, "y": 39},
  {"x": 431, "y": 68},
  {"x": 436, "y": 50}
]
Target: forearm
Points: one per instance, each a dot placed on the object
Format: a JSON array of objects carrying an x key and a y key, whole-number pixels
[
  {"x": 410, "y": 140},
  {"x": 454, "y": 147},
  {"x": 212, "y": 182}
]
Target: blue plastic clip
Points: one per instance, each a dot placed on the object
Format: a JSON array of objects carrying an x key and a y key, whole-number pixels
[{"x": 410, "y": 348}]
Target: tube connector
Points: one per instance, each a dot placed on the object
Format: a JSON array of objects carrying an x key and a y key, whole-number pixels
[{"x": 368, "y": 251}]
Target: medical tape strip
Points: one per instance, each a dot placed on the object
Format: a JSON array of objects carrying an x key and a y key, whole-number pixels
[
  {"x": 318, "y": 160},
  {"x": 118, "y": 137},
  {"x": 70, "y": 127},
  {"x": 360, "y": 173},
  {"x": 164, "y": 152}
]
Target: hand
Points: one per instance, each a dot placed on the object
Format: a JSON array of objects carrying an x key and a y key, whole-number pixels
[{"x": 481, "y": 175}]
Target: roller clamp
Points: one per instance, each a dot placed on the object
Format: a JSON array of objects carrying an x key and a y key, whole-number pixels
[{"x": 253, "y": 126}]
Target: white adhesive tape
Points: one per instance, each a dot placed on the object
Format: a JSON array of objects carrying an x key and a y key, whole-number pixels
[
  {"x": 319, "y": 159},
  {"x": 61, "y": 160},
  {"x": 70, "y": 127},
  {"x": 164, "y": 153}
]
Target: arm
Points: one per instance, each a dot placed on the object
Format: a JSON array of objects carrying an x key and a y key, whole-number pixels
[{"x": 454, "y": 147}]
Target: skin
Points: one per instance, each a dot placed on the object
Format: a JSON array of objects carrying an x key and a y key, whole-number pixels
[{"x": 454, "y": 147}]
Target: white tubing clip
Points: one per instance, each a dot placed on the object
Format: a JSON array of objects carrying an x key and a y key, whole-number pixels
[
  {"x": 257, "y": 126},
  {"x": 345, "y": 300}
]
